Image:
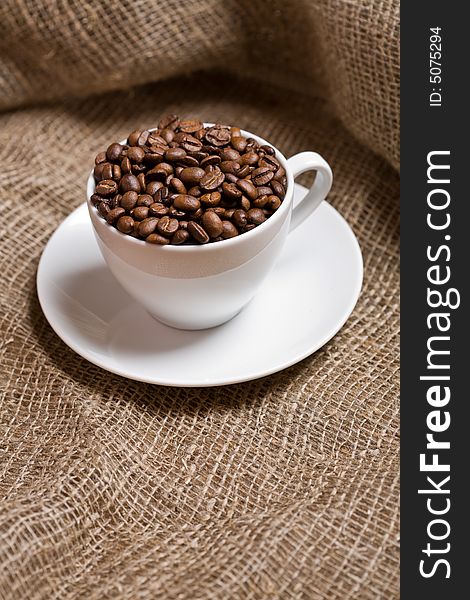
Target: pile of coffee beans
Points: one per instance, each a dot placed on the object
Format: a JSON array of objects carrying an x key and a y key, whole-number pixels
[{"x": 187, "y": 184}]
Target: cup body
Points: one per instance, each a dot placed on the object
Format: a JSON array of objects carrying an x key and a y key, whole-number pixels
[{"x": 195, "y": 286}]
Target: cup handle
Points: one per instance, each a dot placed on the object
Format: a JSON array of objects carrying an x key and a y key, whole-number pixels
[{"x": 310, "y": 161}]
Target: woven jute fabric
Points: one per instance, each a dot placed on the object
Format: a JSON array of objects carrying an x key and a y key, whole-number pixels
[{"x": 285, "y": 487}]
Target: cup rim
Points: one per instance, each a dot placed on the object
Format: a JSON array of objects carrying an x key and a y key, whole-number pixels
[{"x": 224, "y": 244}]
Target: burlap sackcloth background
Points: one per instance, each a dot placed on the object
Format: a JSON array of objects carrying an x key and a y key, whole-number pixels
[{"x": 286, "y": 487}]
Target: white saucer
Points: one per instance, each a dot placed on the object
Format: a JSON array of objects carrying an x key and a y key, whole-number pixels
[{"x": 302, "y": 304}]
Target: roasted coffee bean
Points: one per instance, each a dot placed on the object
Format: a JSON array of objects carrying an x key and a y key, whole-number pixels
[
  {"x": 188, "y": 142},
  {"x": 229, "y": 166},
  {"x": 114, "y": 151},
  {"x": 155, "y": 139},
  {"x": 116, "y": 173},
  {"x": 180, "y": 237},
  {"x": 157, "y": 209},
  {"x": 190, "y": 126},
  {"x": 175, "y": 154},
  {"x": 145, "y": 200},
  {"x": 235, "y": 131},
  {"x": 262, "y": 176},
  {"x": 161, "y": 171},
  {"x": 186, "y": 203},
  {"x": 156, "y": 238},
  {"x": 191, "y": 144},
  {"x": 251, "y": 144},
  {"x": 277, "y": 188},
  {"x": 142, "y": 181},
  {"x": 229, "y": 230},
  {"x": 100, "y": 158},
  {"x": 129, "y": 183},
  {"x": 104, "y": 171},
  {"x": 152, "y": 187},
  {"x": 268, "y": 149},
  {"x": 197, "y": 233},
  {"x": 212, "y": 224},
  {"x": 245, "y": 203},
  {"x": 244, "y": 171},
  {"x": 104, "y": 209},
  {"x": 249, "y": 227},
  {"x": 264, "y": 190},
  {"x": 135, "y": 154},
  {"x": 98, "y": 171},
  {"x": 147, "y": 226},
  {"x": 162, "y": 195},
  {"x": 129, "y": 200},
  {"x": 178, "y": 186},
  {"x": 239, "y": 143},
  {"x": 229, "y": 213},
  {"x": 169, "y": 122},
  {"x": 167, "y": 134},
  {"x": 126, "y": 166},
  {"x": 138, "y": 137},
  {"x": 106, "y": 188},
  {"x": 231, "y": 178},
  {"x": 218, "y": 136},
  {"x": 125, "y": 224},
  {"x": 114, "y": 214},
  {"x": 133, "y": 137},
  {"x": 250, "y": 159},
  {"x": 211, "y": 199},
  {"x": 188, "y": 161},
  {"x": 229, "y": 154},
  {"x": 273, "y": 203},
  {"x": 231, "y": 191},
  {"x": 139, "y": 213},
  {"x": 270, "y": 162},
  {"x": 183, "y": 224},
  {"x": 213, "y": 159},
  {"x": 212, "y": 179},
  {"x": 192, "y": 175},
  {"x": 260, "y": 202},
  {"x": 240, "y": 219},
  {"x": 247, "y": 188},
  {"x": 256, "y": 216},
  {"x": 167, "y": 226},
  {"x": 157, "y": 174}
]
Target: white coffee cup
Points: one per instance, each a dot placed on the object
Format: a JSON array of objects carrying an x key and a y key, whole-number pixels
[{"x": 201, "y": 286}]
